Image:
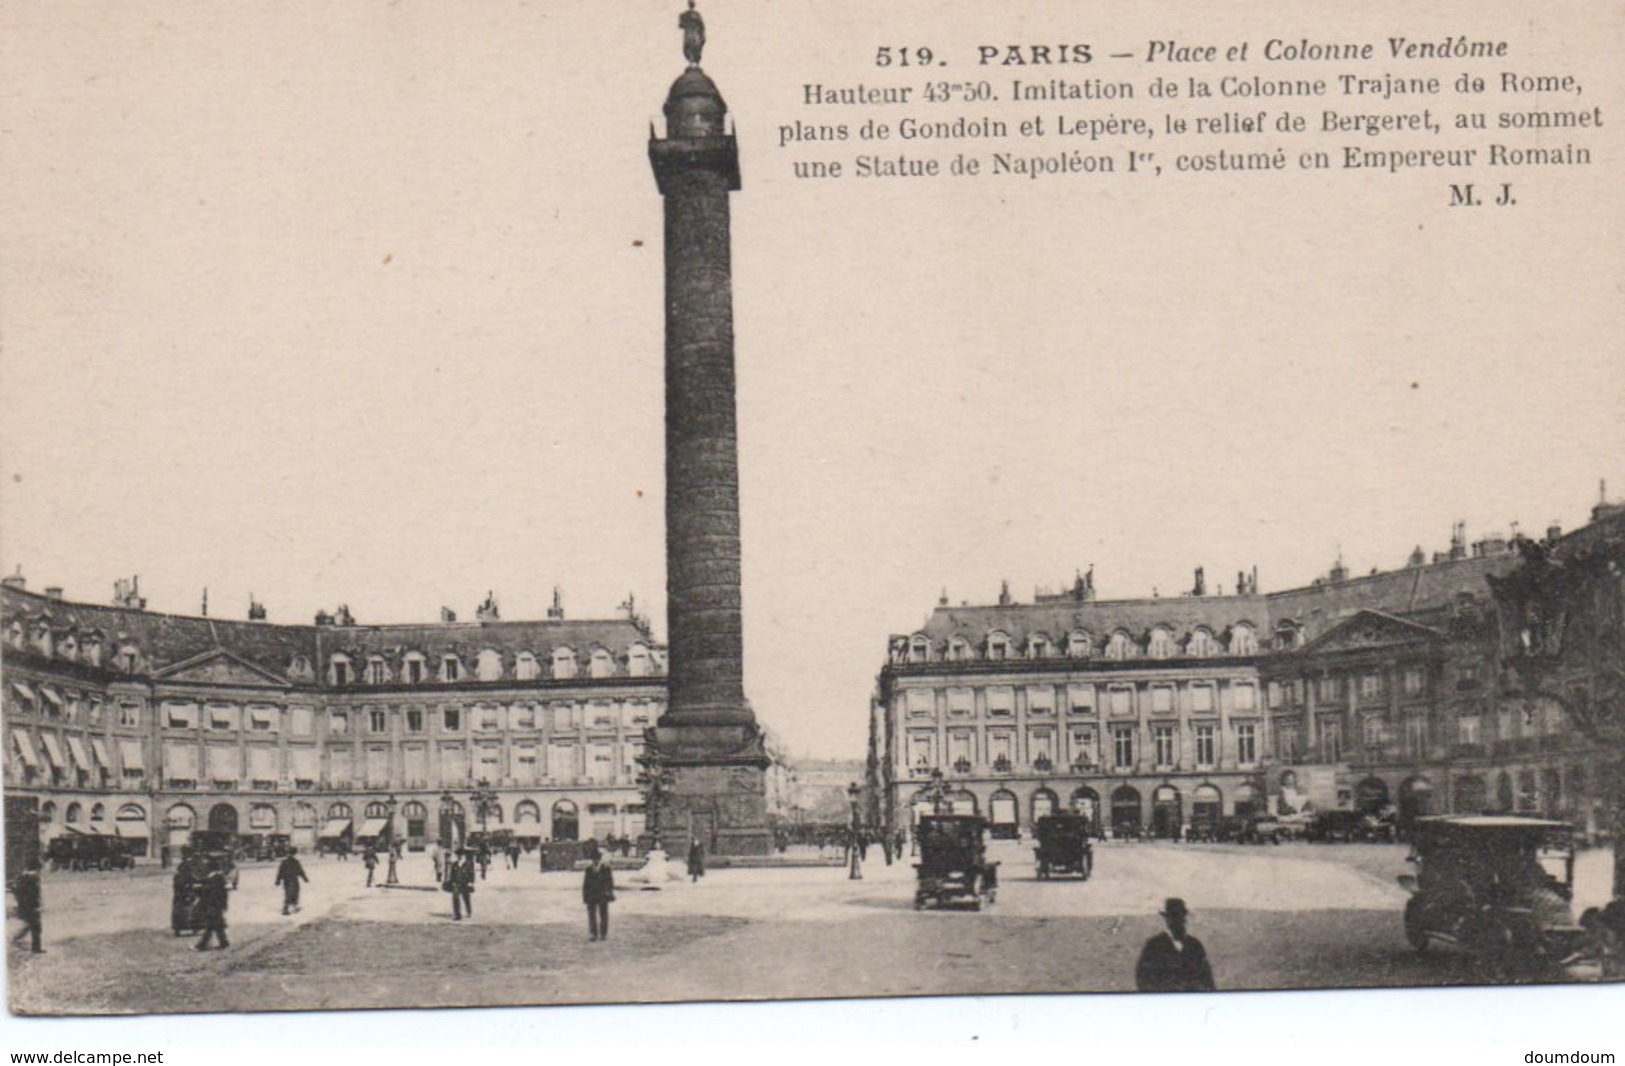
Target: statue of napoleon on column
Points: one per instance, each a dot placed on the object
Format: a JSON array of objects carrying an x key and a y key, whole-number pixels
[{"x": 693, "y": 28}]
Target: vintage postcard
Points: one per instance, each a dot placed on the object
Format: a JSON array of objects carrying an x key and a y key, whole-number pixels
[{"x": 553, "y": 504}]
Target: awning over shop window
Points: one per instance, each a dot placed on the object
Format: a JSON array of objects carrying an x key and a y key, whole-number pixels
[
  {"x": 131, "y": 830},
  {"x": 100, "y": 749},
  {"x": 51, "y": 697},
  {"x": 22, "y": 689},
  {"x": 373, "y": 827},
  {"x": 130, "y": 752},
  {"x": 335, "y": 827},
  {"x": 53, "y": 751},
  {"x": 76, "y": 748},
  {"x": 25, "y": 748}
]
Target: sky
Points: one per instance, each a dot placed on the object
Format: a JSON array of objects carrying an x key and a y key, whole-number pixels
[{"x": 361, "y": 303}]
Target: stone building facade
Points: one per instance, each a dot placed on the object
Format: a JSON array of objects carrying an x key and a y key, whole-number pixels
[
  {"x": 1151, "y": 714},
  {"x": 129, "y": 722}
]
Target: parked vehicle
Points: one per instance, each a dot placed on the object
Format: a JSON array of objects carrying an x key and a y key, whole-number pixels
[
  {"x": 88, "y": 851},
  {"x": 1063, "y": 846},
  {"x": 953, "y": 862},
  {"x": 1497, "y": 887},
  {"x": 217, "y": 850},
  {"x": 1334, "y": 827}
]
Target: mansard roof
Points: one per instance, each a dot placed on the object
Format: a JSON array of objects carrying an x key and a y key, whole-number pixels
[
  {"x": 1099, "y": 617},
  {"x": 1425, "y": 592},
  {"x": 166, "y": 641}
]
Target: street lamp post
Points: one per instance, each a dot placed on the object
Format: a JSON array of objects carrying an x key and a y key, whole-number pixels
[
  {"x": 483, "y": 798},
  {"x": 392, "y": 877},
  {"x": 448, "y": 822},
  {"x": 855, "y": 792}
]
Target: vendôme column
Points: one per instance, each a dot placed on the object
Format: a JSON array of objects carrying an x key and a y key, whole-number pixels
[{"x": 708, "y": 737}]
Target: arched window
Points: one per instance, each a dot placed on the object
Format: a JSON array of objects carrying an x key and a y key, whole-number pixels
[
  {"x": 98, "y": 812},
  {"x": 526, "y": 811},
  {"x": 998, "y": 645},
  {"x": 14, "y": 634},
  {"x": 338, "y": 810},
  {"x": 451, "y": 668},
  {"x": 132, "y": 812},
  {"x": 1200, "y": 645},
  {"x": 299, "y": 669},
  {"x": 525, "y": 667},
  {"x": 304, "y": 816},
  {"x": 919, "y": 648},
  {"x": 47, "y": 812},
  {"x": 1078, "y": 644},
  {"x": 489, "y": 666},
  {"x": 564, "y": 664},
  {"x": 180, "y": 816},
  {"x": 128, "y": 658},
  {"x": 75, "y": 812},
  {"x": 377, "y": 670},
  {"x": 262, "y": 818},
  {"x": 959, "y": 650},
  {"x": 1162, "y": 643},
  {"x": 339, "y": 669},
  {"x": 637, "y": 661},
  {"x": 414, "y": 668},
  {"x": 376, "y": 809},
  {"x": 602, "y": 664},
  {"x": 1039, "y": 646},
  {"x": 1244, "y": 640},
  {"x": 1120, "y": 646}
]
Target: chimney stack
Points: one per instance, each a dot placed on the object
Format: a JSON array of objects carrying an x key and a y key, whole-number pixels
[{"x": 53, "y": 593}]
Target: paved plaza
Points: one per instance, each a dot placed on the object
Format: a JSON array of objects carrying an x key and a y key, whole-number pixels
[{"x": 1296, "y": 915}]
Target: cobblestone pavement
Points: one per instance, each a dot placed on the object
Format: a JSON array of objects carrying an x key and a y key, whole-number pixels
[{"x": 1290, "y": 916}]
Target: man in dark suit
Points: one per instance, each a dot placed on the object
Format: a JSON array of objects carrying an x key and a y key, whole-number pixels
[
  {"x": 212, "y": 901},
  {"x": 1173, "y": 961},
  {"x": 598, "y": 892},
  {"x": 26, "y": 890},
  {"x": 288, "y": 875},
  {"x": 461, "y": 878}
]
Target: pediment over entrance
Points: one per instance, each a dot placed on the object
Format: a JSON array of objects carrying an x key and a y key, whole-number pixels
[
  {"x": 1369, "y": 629},
  {"x": 221, "y": 667}
]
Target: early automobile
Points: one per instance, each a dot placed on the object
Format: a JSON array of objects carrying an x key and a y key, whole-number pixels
[
  {"x": 953, "y": 862},
  {"x": 1063, "y": 846},
  {"x": 75, "y": 850},
  {"x": 1496, "y": 887}
]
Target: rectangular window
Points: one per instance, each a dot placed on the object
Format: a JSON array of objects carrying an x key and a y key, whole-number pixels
[
  {"x": 1329, "y": 688},
  {"x": 919, "y": 751},
  {"x": 1331, "y": 739},
  {"x": 416, "y": 764},
  {"x": 1122, "y": 698},
  {"x": 1275, "y": 693},
  {"x": 1416, "y": 736},
  {"x": 414, "y": 721},
  {"x": 1162, "y": 699},
  {"x": 301, "y": 721},
  {"x": 919, "y": 703},
  {"x": 491, "y": 720},
  {"x": 601, "y": 765},
  {"x": 523, "y": 716},
  {"x": 1246, "y": 743},
  {"x": 378, "y": 721},
  {"x": 1001, "y": 702},
  {"x": 377, "y": 673},
  {"x": 1081, "y": 699},
  {"x": 1000, "y": 750},
  {"x": 178, "y": 716},
  {"x": 603, "y": 716},
  {"x": 1162, "y": 737},
  {"x": 222, "y": 719},
  {"x": 1202, "y": 701},
  {"x": 524, "y": 758},
  {"x": 129, "y": 714},
  {"x": 1244, "y": 697},
  {"x": 1041, "y": 701},
  {"x": 1123, "y": 747},
  {"x": 451, "y": 720},
  {"x": 1206, "y": 748},
  {"x": 959, "y": 751},
  {"x": 1286, "y": 742},
  {"x": 338, "y": 722},
  {"x": 340, "y": 766},
  {"x": 1413, "y": 681},
  {"x": 1041, "y": 748},
  {"x": 1083, "y": 748},
  {"x": 961, "y": 703},
  {"x": 1468, "y": 730},
  {"x": 490, "y": 763}
]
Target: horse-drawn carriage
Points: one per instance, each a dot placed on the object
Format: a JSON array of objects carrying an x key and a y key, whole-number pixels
[
  {"x": 953, "y": 864},
  {"x": 1063, "y": 846}
]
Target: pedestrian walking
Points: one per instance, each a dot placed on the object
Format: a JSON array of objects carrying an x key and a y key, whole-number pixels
[
  {"x": 26, "y": 891},
  {"x": 598, "y": 892},
  {"x": 288, "y": 875},
  {"x": 213, "y": 898},
  {"x": 434, "y": 857},
  {"x": 484, "y": 855},
  {"x": 183, "y": 886},
  {"x": 1173, "y": 961},
  {"x": 696, "y": 860},
  {"x": 460, "y": 883},
  {"x": 513, "y": 854},
  {"x": 369, "y": 859}
]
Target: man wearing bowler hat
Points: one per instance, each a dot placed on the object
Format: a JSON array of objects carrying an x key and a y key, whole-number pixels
[{"x": 1173, "y": 961}]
